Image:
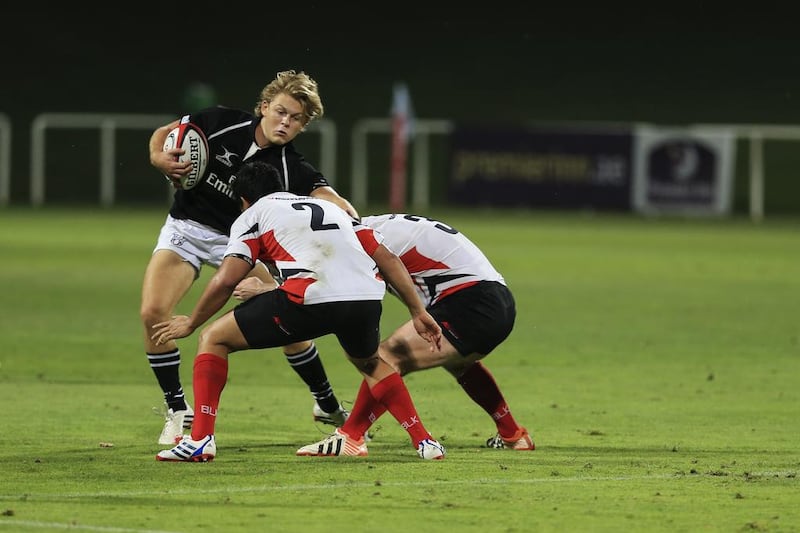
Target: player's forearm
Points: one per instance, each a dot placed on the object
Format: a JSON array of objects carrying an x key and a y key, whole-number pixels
[
  {"x": 395, "y": 273},
  {"x": 330, "y": 194},
  {"x": 214, "y": 297},
  {"x": 349, "y": 209}
]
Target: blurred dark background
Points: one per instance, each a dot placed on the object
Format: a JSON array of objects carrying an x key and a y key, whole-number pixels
[{"x": 501, "y": 64}]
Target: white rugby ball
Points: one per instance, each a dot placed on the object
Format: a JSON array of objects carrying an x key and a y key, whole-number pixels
[{"x": 195, "y": 146}]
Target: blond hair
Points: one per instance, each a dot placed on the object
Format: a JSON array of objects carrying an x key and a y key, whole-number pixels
[{"x": 299, "y": 86}]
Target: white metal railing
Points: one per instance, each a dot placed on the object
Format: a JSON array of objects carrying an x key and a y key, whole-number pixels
[
  {"x": 423, "y": 129},
  {"x": 108, "y": 125},
  {"x": 5, "y": 159},
  {"x": 327, "y": 146},
  {"x": 757, "y": 134}
]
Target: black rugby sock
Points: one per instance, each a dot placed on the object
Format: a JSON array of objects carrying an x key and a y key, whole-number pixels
[
  {"x": 166, "y": 367},
  {"x": 308, "y": 365}
]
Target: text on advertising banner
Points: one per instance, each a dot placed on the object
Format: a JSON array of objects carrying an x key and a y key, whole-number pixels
[{"x": 542, "y": 167}]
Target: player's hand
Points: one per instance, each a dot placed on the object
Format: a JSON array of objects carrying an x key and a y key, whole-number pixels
[
  {"x": 167, "y": 162},
  {"x": 429, "y": 330},
  {"x": 176, "y": 328},
  {"x": 249, "y": 287}
]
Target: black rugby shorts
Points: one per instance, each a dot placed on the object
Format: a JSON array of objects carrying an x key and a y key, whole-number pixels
[
  {"x": 270, "y": 320},
  {"x": 476, "y": 319}
]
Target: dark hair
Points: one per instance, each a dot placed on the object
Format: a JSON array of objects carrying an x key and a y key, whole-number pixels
[{"x": 256, "y": 179}]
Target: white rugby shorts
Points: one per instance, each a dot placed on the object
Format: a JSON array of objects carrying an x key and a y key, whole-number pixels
[{"x": 197, "y": 244}]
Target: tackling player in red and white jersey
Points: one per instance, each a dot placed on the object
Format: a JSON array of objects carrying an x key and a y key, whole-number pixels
[
  {"x": 294, "y": 234},
  {"x": 469, "y": 300},
  {"x": 440, "y": 259},
  {"x": 333, "y": 284}
]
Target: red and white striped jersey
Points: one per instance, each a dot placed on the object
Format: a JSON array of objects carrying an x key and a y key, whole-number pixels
[
  {"x": 440, "y": 259},
  {"x": 313, "y": 244}
]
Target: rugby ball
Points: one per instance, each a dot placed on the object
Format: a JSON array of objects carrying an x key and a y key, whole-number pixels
[{"x": 195, "y": 146}]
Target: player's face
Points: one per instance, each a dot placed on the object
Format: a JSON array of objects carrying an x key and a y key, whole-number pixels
[{"x": 282, "y": 119}]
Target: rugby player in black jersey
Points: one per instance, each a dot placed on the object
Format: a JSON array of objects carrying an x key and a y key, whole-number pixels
[{"x": 196, "y": 229}]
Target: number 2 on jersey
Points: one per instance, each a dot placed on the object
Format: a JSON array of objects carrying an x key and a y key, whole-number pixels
[{"x": 317, "y": 214}]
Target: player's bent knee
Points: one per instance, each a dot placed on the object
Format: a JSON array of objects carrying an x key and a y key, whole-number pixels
[
  {"x": 365, "y": 365},
  {"x": 397, "y": 348},
  {"x": 150, "y": 315},
  {"x": 211, "y": 334}
]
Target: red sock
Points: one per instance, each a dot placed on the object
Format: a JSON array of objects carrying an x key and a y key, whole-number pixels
[
  {"x": 391, "y": 391},
  {"x": 479, "y": 385},
  {"x": 366, "y": 410},
  {"x": 209, "y": 375}
]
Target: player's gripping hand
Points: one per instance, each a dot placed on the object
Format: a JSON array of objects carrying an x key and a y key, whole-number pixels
[
  {"x": 429, "y": 330},
  {"x": 167, "y": 163},
  {"x": 249, "y": 287},
  {"x": 177, "y": 327}
]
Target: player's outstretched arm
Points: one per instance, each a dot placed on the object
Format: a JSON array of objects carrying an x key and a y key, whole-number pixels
[
  {"x": 216, "y": 294},
  {"x": 395, "y": 273}
]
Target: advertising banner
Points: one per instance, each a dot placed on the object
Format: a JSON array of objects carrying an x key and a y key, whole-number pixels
[
  {"x": 586, "y": 167},
  {"x": 683, "y": 170}
]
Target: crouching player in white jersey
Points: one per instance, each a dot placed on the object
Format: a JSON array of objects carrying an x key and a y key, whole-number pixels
[
  {"x": 311, "y": 242},
  {"x": 469, "y": 299}
]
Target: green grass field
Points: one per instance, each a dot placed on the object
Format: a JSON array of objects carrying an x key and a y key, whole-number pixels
[{"x": 656, "y": 362}]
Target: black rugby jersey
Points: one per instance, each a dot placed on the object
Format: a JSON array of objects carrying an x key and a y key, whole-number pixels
[{"x": 231, "y": 141}]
